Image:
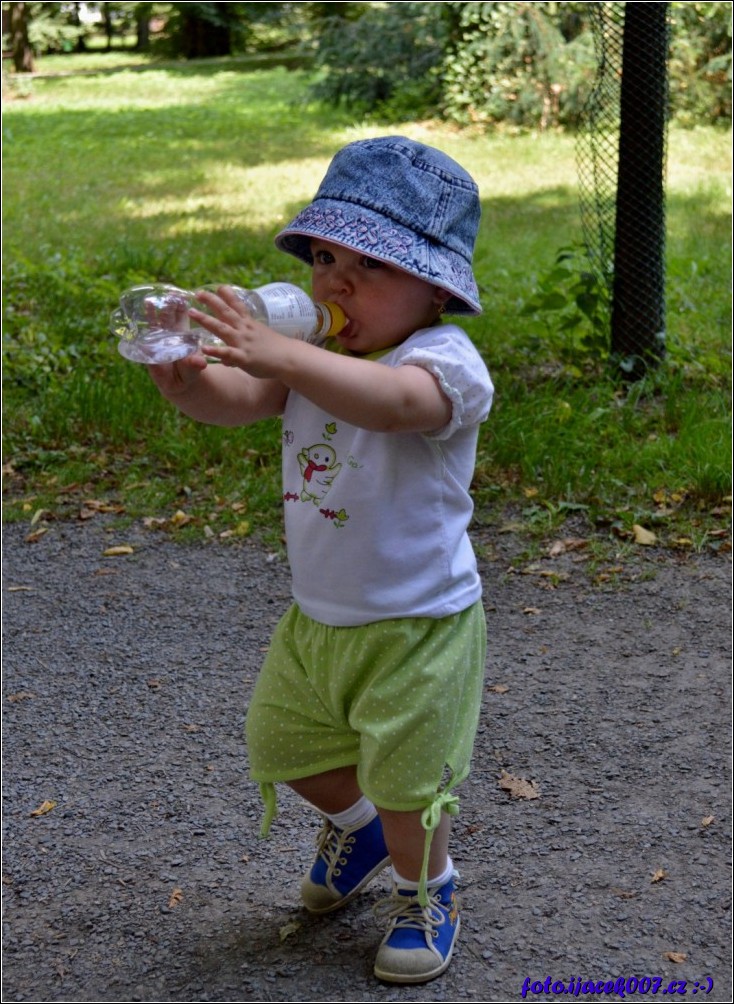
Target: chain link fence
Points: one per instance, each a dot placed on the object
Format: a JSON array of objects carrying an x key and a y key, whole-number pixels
[{"x": 621, "y": 158}]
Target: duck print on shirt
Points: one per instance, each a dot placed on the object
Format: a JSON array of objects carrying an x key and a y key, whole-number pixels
[{"x": 319, "y": 467}]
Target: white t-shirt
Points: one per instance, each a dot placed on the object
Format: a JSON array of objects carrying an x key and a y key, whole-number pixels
[{"x": 376, "y": 523}]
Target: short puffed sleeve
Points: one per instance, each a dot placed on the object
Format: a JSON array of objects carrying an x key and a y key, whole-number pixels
[{"x": 448, "y": 353}]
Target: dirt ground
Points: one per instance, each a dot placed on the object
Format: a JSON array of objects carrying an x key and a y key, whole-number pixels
[{"x": 133, "y": 870}]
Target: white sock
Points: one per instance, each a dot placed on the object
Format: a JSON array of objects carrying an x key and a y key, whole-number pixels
[
  {"x": 433, "y": 883},
  {"x": 359, "y": 814}
]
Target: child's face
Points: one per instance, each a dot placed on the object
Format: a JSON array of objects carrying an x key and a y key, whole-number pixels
[{"x": 383, "y": 304}]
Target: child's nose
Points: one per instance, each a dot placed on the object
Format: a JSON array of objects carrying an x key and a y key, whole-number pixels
[{"x": 340, "y": 279}]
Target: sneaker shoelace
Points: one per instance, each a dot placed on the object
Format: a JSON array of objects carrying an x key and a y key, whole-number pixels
[
  {"x": 406, "y": 912},
  {"x": 333, "y": 844}
]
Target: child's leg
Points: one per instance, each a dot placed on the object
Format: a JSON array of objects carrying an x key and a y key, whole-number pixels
[
  {"x": 405, "y": 838},
  {"x": 421, "y": 934},
  {"x": 331, "y": 792},
  {"x": 351, "y": 849}
]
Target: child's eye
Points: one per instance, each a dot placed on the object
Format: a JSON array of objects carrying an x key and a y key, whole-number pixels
[
  {"x": 323, "y": 257},
  {"x": 371, "y": 263}
]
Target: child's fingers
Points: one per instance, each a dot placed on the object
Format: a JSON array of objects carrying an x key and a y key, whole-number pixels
[
  {"x": 215, "y": 325},
  {"x": 224, "y": 302},
  {"x": 224, "y": 355}
]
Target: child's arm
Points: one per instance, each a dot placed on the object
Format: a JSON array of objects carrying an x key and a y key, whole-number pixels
[
  {"x": 358, "y": 391},
  {"x": 218, "y": 395}
]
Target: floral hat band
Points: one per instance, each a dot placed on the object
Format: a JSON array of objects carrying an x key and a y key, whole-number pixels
[{"x": 403, "y": 203}]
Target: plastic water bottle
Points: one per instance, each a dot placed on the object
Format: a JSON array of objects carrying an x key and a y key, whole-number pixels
[{"x": 153, "y": 323}]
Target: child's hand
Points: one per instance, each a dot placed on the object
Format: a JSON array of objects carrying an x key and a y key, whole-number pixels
[
  {"x": 175, "y": 379},
  {"x": 248, "y": 344}
]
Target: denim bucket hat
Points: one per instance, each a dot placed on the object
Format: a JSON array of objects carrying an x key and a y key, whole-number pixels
[{"x": 403, "y": 203}]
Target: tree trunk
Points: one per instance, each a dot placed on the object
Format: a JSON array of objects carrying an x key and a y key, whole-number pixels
[
  {"x": 21, "y": 47},
  {"x": 81, "y": 45},
  {"x": 638, "y": 304},
  {"x": 107, "y": 21},
  {"x": 201, "y": 37},
  {"x": 142, "y": 31}
]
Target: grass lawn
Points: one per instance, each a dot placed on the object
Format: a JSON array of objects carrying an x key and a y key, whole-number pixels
[{"x": 184, "y": 173}]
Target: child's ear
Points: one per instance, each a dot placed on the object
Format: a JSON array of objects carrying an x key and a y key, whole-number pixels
[{"x": 441, "y": 297}]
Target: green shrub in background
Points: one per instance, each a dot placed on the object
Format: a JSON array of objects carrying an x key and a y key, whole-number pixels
[
  {"x": 524, "y": 64},
  {"x": 700, "y": 62},
  {"x": 382, "y": 59},
  {"x": 528, "y": 65}
]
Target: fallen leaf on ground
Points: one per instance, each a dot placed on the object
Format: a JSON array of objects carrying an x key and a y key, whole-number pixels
[
  {"x": 643, "y": 536},
  {"x": 675, "y": 956},
  {"x": 36, "y": 535},
  {"x": 288, "y": 929},
  {"x": 531, "y": 610},
  {"x": 97, "y": 505},
  {"x": 659, "y": 875},
  {"x": 531, "y": 569},
  {"x": 117, "y": 550},
  {"x": 624, "y": 893},
  {"x": 20, "y": 589},
  {"x": 37, "y": 516},
  {"x": 498, "y": 688},
  {"x": 559, "y": 547},
  {"x": 44, "y": 807},
  {"x": 175, "y": 899},
  {"x": 518, "y": 787},
  {"x": 27, "y": 695},
  {"x": 180, "y": 518},
  {"x": 707, "y": 821}
]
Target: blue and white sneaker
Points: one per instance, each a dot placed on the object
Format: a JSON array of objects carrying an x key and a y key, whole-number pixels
[
  {"x": 420, "y": 939},
  {"x": 346, "y": 861}
]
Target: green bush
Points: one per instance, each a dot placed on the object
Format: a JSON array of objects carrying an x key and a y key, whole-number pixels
[
  {"x": 573, "y": 305},
  {"x": 700, "y": 62},
  {"x": 523, "y": 63},
  {"x": 530, "y": 65},
  {"x": 384, "y": 61}
]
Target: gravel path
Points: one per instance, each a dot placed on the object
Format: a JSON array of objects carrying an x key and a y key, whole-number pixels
[{"x": 125, "y": 683}]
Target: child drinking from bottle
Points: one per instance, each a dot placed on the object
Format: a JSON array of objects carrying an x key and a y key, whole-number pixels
[{"x": 368, "y": 700}]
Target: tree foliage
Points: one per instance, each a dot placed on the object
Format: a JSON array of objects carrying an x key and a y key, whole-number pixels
[
  {"x": 471, "y": 63},
  {"x": 381, "y": 57},
  {"x": 700, "y": 61},
  {"x": 526, "y": 64},
  {"x": 523, "y": 63}
]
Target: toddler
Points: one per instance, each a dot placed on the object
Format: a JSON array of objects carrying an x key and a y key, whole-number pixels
[{"x": 368, "y": 700}]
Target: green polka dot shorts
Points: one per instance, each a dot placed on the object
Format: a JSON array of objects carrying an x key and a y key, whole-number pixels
[{"x": 399, "y": 699}]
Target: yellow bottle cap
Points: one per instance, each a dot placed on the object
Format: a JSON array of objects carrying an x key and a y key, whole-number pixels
[{"x": 334, "y": 320}]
